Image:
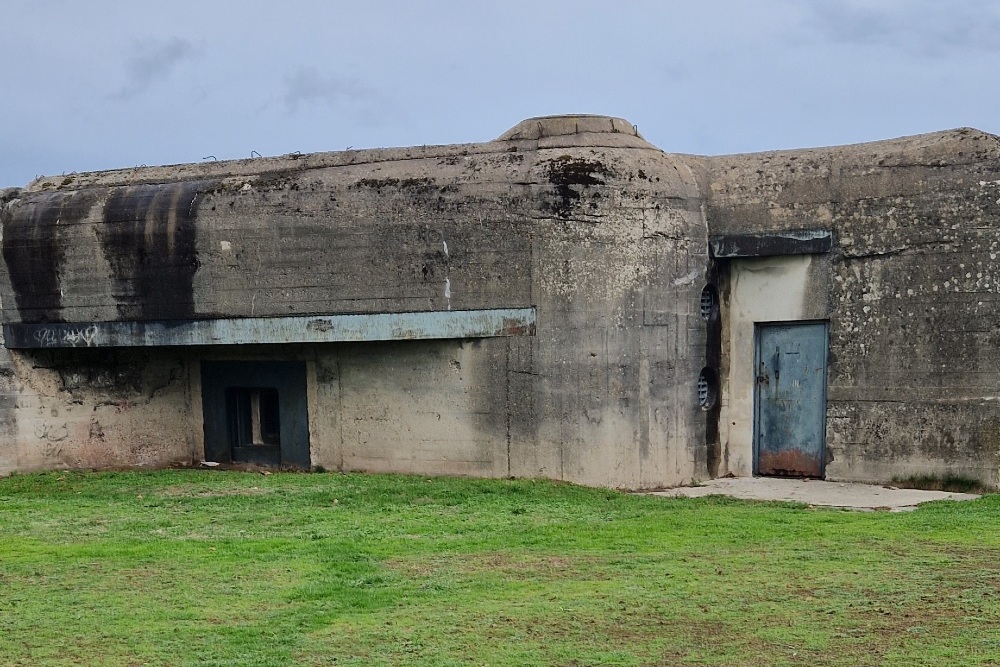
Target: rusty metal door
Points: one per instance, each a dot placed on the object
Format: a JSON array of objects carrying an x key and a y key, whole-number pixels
[{"x": 790, "y": 399}]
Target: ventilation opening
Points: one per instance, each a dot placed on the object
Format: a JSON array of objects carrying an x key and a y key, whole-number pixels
[
  {"x": 709, "y": 302},
  {"x": 708, "y": 391}
]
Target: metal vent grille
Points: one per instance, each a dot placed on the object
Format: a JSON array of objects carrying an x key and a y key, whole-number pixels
[
  {"x": 709, "y": 302},
  {"x": 702, "y": 391},
  {"x": 707, "y": 388}
]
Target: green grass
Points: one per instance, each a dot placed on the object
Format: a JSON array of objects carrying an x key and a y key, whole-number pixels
[{"x": 226, "y": 568}]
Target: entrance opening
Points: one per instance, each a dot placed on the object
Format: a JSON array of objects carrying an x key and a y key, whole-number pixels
[{"x": 255, "y": 412}]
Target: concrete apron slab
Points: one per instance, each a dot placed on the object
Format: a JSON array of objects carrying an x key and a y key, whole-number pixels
[{"x": 847, "y": 495}]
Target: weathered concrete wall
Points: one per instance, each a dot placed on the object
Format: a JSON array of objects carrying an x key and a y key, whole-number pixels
[
  {"x": 418, "y": 407},
  {"x": 101, "y": 408},
  {"x": 578, "y": 217},
  {"x": 620, "y": 340},
  {"x": 448, "y": 227},
  {"x": 913, "y": 300}
]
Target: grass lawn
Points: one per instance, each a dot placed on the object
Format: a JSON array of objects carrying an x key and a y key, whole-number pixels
[{"x": 229, "y": 568}]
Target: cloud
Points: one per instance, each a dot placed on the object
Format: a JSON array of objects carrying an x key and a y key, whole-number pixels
[
  {"x": 307, "y": 87},
  {"x": 154, "y": 62},
  {"x": 926, "y": 28}
]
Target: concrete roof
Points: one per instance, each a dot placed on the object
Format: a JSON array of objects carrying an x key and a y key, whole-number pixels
[{"x": 566, "y": 131}]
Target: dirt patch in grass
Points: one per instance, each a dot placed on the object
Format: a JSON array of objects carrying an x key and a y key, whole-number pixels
[
  {"x": 194, "y": 491},
  {"x": 502, "y": 564}
]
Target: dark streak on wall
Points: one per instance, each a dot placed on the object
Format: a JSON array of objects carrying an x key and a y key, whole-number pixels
[
  {"x": 566, "y": 171},
  {"x": 33, "y": 254},
  {"x": 148, "y": 238},
  {"x": 718, "y": 270}
]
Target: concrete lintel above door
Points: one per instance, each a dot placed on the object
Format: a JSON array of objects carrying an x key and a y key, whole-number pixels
[{"x": 769, "y": 244}]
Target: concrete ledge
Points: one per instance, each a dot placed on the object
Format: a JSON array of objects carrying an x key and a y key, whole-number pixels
[{"x": 276, "y": 330}]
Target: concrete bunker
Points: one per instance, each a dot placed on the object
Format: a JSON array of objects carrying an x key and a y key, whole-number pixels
[{"x": 566, "y": 301}]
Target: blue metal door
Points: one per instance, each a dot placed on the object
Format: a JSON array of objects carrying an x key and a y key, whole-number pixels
[{"x": 790, "y": 399}]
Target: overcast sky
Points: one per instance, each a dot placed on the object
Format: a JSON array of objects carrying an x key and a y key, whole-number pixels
[{"x": 104, "y": 84}]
